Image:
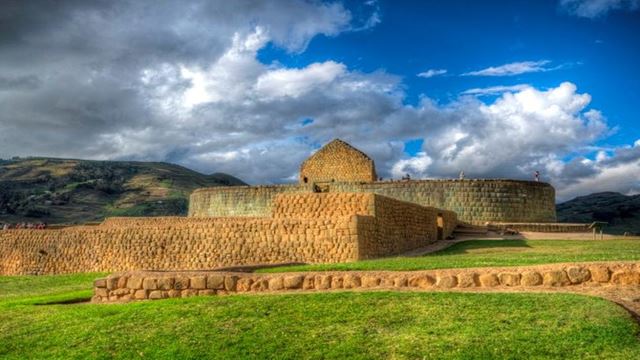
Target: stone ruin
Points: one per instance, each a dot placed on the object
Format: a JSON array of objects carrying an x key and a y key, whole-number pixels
[{"x": 338, "y": 212}]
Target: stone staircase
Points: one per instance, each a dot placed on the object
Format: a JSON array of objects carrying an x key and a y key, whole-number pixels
[{"x": 470, "y": 230}]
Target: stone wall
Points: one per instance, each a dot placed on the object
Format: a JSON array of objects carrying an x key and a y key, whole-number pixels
[
  {"x": 159, "y": 285},
  {"x": 239, "y": 200},
  {"x": 309, "y": 228},
  {"x": 399, "y": 226},
  {"x": 541, "y": 227},
  {"x": 337, "y": 161},
  {"x": 474, "y": 201}
]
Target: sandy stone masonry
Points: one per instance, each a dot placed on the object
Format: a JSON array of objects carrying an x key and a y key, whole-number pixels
[
  {"x": 309, "y": 228},
  {"x": 129, "y": 286},
  {"x": 337, "y": 161},
  {"x": 338, "y": 167}
]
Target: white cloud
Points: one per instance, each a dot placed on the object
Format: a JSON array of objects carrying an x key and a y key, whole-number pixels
[
  {"x": 432, "y": 72},
  {"x": 416, "y": 165},
  {"x": 515, "y": 68},
  {"x": 493, "y": 90},
  {"x": 597, "y": 8},
  {"x": 204, "y": 100}
]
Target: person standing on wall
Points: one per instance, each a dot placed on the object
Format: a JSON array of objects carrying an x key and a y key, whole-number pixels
[{"x": 536, "y": 175}]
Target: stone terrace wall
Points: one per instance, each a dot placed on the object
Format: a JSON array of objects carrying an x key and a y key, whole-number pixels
[
  {"x": 178, "y": 246},
  {"x": 474, "y": 201},
  {"x": 154, "y": 285},
  {"x": 308, "y": 228},
  {"x": 319, "y": 205},
  {"x": 399, "y": 226},
  {"x": 238, "y": 200}
]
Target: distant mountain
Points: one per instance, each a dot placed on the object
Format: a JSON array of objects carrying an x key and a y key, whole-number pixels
[
  {"x": 622, "y": 212},
  {"x": 76, "y": 191}
]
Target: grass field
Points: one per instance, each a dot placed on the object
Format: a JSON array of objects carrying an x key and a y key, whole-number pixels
[
  {"x": 483, "y": 253},
  {"x": 384, "y": 325}
]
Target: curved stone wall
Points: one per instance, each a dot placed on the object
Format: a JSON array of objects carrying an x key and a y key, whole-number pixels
[{"x": 475, "y": 201}]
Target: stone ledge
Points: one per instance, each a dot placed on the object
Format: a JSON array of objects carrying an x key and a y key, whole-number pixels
[{"x": 151, "y": 285}]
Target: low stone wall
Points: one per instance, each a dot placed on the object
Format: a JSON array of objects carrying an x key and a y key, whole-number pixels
[
  {"x": 201, "y": 245},
  {"x": 129, "y": 286},
  {"x": 541, "y": 227}
]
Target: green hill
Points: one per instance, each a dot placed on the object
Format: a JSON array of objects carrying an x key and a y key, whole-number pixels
[
  {"x": 622, "y": 212},
  {"x": 77, "y": 191}
]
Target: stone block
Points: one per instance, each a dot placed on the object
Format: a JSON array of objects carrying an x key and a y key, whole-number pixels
[
  {"x": 368, "y": 281},
  {"x": 173, "y": 293},
  {"x": 181, "y": 283},
  {"x": 489, "y": 280},
  {"x": 260, "y": 285},
  {"x": 120, "y": 292},
  {"x": 112, "y": 283},
  {"x": 336, "y": 282},
  {"x": 600, "y": 273},
  {"x": 467, "y": 280},
  {"x": 215, "y": 282},
  {"x": 230, "y": 282},
  {"x": 140, "y": 294},
  {"x": 447, "y": 281},
  {"x": 100, "y": 283},
  {"x": 134, "y": 282},
  {"x": 122, "y": 282},
  {"x": 156, "y": 295},
  {"x": 150, "y": 284},
  {"x": 293, "y": 281},
  {"x": 555, "y": 278},
  {"x": 509, "y": 279},
  {"x": 531, "y": 278},
  {"x": 244, "y": 284},
  {"x": 188, "y": 293},
  {"x": 625, "y": 278},
  {"x": 308, "y": 283},
  {"x": 400, "y": 281},
  {"x": 165, "y": 283},
  {"x": 578, "y": 274},
  {"x": 198, "y": 282},
  {"x": 207, "y": 292},
  {"x": 421, "y": 281},
  {"x": 276, "y": 283},
  {"x": 102, "y": 292}
]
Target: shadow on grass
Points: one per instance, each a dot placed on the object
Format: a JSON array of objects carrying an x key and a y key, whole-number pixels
[{"x": 465, "y": 246}]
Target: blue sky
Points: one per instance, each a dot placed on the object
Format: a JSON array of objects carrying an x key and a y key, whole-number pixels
[
  {"x": 600, "y": 55},
  {"x": 497, "y": 89}
]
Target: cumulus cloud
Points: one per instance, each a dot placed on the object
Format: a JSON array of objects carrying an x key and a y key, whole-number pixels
[
  {"x": 183, "y": 84},
  {"x": 597, "y": 8},
  {"x": 432, "y": 72},
  {"x": 515, "y": 68}
]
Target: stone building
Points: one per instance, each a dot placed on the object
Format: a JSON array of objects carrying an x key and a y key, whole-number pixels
[
  {"x": 337, "y": 162},
  {"x": 340, "y": 168},
  {"x": 338, "y": 212}
]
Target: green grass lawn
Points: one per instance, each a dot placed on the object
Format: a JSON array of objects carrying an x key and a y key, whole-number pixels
[
  {"x": 384, "y": 325},
  {"x": 483, "y": 253}
]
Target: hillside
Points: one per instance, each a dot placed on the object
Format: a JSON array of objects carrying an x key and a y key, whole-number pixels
[
  {"x": 76, "y": 191},
  {"x": 620, "y": 211}
]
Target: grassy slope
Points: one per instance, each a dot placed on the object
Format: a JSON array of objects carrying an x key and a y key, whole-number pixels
[
  {"x": 482, "y": 253},
  {"x": 620, "y": 211},
  {"x": 72, "y": 191},
  {"x": 328, "y": 325}
]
